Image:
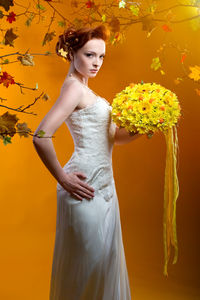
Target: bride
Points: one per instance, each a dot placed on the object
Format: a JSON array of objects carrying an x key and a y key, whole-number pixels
[{"x": 89, "y": 259}]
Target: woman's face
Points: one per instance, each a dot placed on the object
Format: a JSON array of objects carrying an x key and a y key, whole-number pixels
[{"x": 89, "y": 57}]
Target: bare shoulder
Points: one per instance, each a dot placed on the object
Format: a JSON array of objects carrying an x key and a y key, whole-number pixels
[
  {"x": 69, "y": 98},
  {"x": 72, "y": 85}
]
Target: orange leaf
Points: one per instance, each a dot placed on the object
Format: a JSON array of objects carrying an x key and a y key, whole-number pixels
[
  {"x": 166, "y": 28},
  {"x": 197, "y": 91},
  {"x": 183, "y": 57}
]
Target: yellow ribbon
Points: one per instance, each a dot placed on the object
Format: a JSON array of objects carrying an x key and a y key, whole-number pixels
[{"x": 171, "y": 191}]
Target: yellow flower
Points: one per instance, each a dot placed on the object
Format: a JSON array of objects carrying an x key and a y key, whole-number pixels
[
  {"x": 169, "y": 101},
  {"x": 144, "y": 107},
  {"x": 63, "y": 52}
]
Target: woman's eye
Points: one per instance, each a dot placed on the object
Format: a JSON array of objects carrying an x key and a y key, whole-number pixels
[{"x": 89, "y": 54}]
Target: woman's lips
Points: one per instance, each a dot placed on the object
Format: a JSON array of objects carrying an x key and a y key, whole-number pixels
[{"x": 94, "y": 71}]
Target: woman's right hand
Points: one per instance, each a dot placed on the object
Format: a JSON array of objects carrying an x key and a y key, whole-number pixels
[{"x": 76, "y": 187}]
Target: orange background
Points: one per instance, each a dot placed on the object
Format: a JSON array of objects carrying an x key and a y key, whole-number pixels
[{"x": 28, "y": 190}]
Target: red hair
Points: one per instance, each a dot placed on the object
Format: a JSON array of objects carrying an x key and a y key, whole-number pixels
[{"x": 73, "y": 39}]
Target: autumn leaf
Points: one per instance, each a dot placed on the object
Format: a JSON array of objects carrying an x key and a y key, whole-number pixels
[
  {"x": 6, "y": 79},
  {"x": 103, "y": 18},
  {"x": 162, "y": 72},
  {"x": 195, "y": 24},
  {"x": 23, "y": 129},
  {"x": 170, "y": 15},
  {"x": 151, "y": 8},
  {"x": 9, "y": 37},
  {"x": 183, "y": 57},
  {"x": 26, "y": 60},
  {"x": 48, "y": 37},
  {"x": 197, "y": 91},
  {"x": 147, "y": 23},
  {"x": 89, "y": 4},
  {"x": 45, "y": 97},
  {"x": 74, "y": 3},
  {"x": 155, "y": 63},
  {"x": 11, "y": 17},
  {"x": 6, "y": 4},
  {"x": 177, "y": 80},
  {"x": 29, "y": 20},
  {"x": 166, "y": 28},
  {"x": 134, "y": 9},
  {"x": 7, "y": 124},
  {"x": 122, "y": 4},
  {"x": 115, "y": 24},
  {"x": 195, "y": 74},
  {"x": 116, "y": 37}
]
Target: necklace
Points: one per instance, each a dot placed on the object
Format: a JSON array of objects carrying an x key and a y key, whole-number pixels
[{"x": 72, "y": 76}]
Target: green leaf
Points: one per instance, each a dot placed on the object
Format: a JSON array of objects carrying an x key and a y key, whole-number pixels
[
  {"x": 47, "y": 53},
  {"x": 6, "y": 61},
  {"x": 39, "y": 6},
  {"x": 29, "y": 20},
  {"x": 135, "y": 10},
  {"x": 7, "y": 140},
  {"x": 40, "y": 133},
  {"x": 61, "y": 23}
]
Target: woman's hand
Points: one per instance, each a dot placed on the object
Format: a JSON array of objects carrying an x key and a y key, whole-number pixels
[
  {"x": 149, "y": 134},
  {"x": 76, "y": 187}
]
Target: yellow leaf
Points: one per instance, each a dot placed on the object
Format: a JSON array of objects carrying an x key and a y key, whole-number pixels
[
  {"x": 103, "y": 18},
  {"x": 155, "y": 63},
  {"x": 134, "y": 9},
  {"x": 195, "y": 74}
]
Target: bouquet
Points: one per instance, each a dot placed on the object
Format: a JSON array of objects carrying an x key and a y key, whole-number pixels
[{"x": 149, "y": 107}]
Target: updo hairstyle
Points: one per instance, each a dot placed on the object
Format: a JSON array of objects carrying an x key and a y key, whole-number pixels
[{"x": 73, "y": 39}]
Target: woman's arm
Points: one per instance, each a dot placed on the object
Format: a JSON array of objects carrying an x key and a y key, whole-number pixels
[
  {"x": 69, "y": 98},
  {"x": 122, "y": 136}
]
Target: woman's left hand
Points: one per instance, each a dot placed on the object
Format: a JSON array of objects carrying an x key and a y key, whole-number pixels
[{"x": 149, "y": 134}]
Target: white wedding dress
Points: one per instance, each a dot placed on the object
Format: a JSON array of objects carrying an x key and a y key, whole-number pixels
[{"x": 88, "y": 260}]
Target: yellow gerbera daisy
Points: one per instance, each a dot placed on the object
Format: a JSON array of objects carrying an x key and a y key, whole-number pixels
[{"x": 144, "y": 107}]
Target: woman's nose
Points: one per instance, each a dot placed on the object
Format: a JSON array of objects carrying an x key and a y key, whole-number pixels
[{"x": 96, "y": 62}]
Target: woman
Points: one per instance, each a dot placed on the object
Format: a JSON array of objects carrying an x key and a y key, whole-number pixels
[{"x": 89, "y": 261}]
